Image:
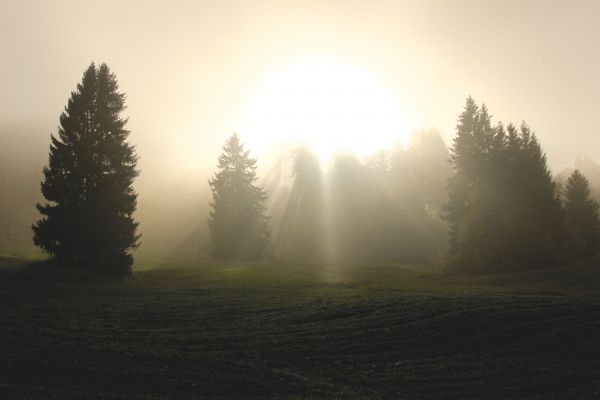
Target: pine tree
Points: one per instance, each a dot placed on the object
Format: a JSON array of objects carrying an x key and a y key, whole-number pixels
[
  {"x": 238, "y": 225},
  {"x": 88, "y": 219},
  {"x": 583, "y": 221}
]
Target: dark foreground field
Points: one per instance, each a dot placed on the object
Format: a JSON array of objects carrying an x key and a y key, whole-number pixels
[{"x": 300, "y": 332}]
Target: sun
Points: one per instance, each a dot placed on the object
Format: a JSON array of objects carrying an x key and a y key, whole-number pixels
[{"x": 328, "y": 106}]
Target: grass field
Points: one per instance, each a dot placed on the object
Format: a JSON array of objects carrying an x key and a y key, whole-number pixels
[{"x": 292, "y": 331}]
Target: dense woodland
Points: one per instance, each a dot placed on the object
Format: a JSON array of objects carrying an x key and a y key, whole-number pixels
[
  {"x": 487, "y": 204},
  {"x": 504, "y": 210}
]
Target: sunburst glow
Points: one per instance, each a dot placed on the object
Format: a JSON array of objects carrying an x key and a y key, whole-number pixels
[{"x": 327, "y": 106}]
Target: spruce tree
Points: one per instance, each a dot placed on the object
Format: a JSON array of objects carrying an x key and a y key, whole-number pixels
[
  {"x": 465, "y": 192},
  {"x": 88, "y": 217},
  {"x": 583, "y": 221},
  {"x": 238, "y": 225},
  {"x": 538, "y": 233}
]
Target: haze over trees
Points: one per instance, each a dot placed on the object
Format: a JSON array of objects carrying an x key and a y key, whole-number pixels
[
  {"x": 489, "y": 204},
  {"x": 386, "y": 208},
  {"x": 379, "y": 210},
  {"x": 238, "y": 225},
  {"x": 300, "y": 229},
  {"x": 502, "y": 208},
  {"x": 587, "y": 167},
  {"x": 88, "y": 217}
]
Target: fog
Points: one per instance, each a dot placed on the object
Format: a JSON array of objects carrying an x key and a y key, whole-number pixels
[{"x": 192, "y": 70}]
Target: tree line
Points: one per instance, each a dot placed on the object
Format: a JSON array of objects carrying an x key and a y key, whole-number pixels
[
  {"x": 504, "y": 210},
  {"x": 487, "y": 204}
]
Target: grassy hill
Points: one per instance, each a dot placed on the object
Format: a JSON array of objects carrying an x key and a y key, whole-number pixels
[{"x": 275, "y": 330}]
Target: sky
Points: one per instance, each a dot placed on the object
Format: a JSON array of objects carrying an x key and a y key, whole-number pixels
[{"x": 193, "y": 69}]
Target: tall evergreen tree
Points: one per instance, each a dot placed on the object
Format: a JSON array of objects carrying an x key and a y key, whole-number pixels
[
  {"x": 583, "y": 221},
  {"x": 463, "y": 189},
  {"x": 538, "y": 234},
  {"x": 88, "y": 219},
  {"x": 237, "y": 222}
]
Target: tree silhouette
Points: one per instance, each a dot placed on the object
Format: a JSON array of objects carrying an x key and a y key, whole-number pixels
[
  {"x": 88, "y": 219},
  {"x": 581, "y": 212},
  {"x": 237, "y": 222},
  {"x": 464, "y": 223},
  {"x": 538, "y": 233},
  {"x": 503, "y": 208}
]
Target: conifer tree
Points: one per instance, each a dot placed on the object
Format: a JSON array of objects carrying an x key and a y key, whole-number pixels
[
  {"x": 583, "y": 221},
  {"x": 466, "y": 156},
  {"x": 88, "y": 219},
  {"x": 238, "y": 225},
  {"x": 538, "y": 233}
]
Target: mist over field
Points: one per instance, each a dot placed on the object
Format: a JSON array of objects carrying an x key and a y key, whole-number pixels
[{"x": 299, "y": 199}]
